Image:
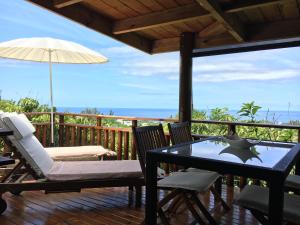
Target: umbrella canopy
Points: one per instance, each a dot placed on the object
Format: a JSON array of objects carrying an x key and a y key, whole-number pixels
[{"x": 49, "y": 50}]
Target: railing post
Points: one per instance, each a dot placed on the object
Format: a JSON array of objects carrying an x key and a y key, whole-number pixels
[
  {"x": 99, "y": 121},
  {"x": 297, "y": 167},
  {"x": 231, "y": 129},
  {"x": 133, "y": 148},
  {"x": 61, "y": 130}
]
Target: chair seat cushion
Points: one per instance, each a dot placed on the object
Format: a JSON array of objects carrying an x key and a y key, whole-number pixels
[
  {"x": 84, "y": 170},
  {"x": 79, "y": 153},
  {"x": 199, "y": 181},
  {"x": 256, "y": 197},
  {"x": 293, "y": 181}
]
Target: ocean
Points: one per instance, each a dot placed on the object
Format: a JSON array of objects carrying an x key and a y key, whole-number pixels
[{"x": 277, "y": 116}]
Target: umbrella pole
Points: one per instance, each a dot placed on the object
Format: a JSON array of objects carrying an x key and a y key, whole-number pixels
[{"x": 51, "y": 100}]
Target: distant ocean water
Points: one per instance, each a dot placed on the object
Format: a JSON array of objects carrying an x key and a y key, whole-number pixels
[{"x": 278, "y": 116}]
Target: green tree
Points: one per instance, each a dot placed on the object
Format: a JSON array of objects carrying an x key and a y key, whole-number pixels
[{"x": 28, "y": 104}]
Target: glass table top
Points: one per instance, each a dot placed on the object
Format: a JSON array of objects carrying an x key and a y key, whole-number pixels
[{"x": 220, "y": 149}]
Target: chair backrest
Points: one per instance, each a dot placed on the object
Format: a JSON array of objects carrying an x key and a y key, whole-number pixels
[
  {"x": 148, "y": 138},
  {"x": 27, "y": 145},
  {"x": 180, "y": 132}
]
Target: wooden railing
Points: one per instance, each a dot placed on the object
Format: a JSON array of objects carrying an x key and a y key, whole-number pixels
[
  {"x": 70, "y": 134},
  {"x": 120, "y": 139}
]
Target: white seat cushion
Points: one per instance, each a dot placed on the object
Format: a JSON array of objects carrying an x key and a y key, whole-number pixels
[
  {"x": 83, "y": 170},
  {"x": 194, "y": 181},
  {"x": 293, "y": 181},
  {"x": 91, "y": 152},
  {"x": 19, "y": 124},
  {"x": 256, "y": 197}
]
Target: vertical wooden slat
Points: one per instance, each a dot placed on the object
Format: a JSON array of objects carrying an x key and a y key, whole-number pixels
[
  {"x": 105, "y": 138},
  {"x": 126, "y": 147},
  {"x": 112, "y": 140},
  {"x": 44, "y": 139},
  {"x": 120, "y": 146},
  {"x": 243, "y": 182},
  {"x": 38, "y": 132},
  {"x": 84, "y": 136},
  {"x": 92, "y": 136},
  {"x": 230, "y": 180},
  {"x": 79, "y": 135},
  {"x": 73, "y": 136},
  {"x": 99, "y": 136},
  {"x": 133, "y": 148},
  {"x": 61, "y": 130},
  {"x": 67, "y": 136}
]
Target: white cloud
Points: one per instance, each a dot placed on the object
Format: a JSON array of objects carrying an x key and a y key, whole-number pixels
[
  {"x": 140, "y": 86},
  {"x": 244, "y": 75},
  {"x": 259, "y": 66}
]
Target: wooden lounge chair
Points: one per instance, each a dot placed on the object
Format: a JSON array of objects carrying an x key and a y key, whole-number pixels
[
  {"x": 256, "y": 199},
  {"x": 185, "y": 184},
  {"x": 56, "y": 176}
]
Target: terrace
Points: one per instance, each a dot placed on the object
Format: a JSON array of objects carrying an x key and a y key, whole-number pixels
[{"x": 195, "y": 28}]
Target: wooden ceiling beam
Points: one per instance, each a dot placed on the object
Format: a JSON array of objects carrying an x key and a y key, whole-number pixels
[
  {"x": 169, "y": 16},
  {"x": 95, "y": 21},
  {"x": 172, "y": 44},
  {"x": 63, "y": 3},
  {"x": 232, "y": 25},
  {"x": 281, "y": 34},
  {"x": 252, "y": 4}
]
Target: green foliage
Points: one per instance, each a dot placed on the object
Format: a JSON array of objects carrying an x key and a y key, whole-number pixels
[
  {"x": 28, "y": 104},
  {"x": 249, "y": 110}
]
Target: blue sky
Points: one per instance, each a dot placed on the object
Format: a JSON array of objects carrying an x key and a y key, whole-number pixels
[{"x": 133, "y": 79}]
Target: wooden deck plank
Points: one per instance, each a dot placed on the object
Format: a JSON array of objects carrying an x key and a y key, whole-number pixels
[{"x": 105, "y": 206}]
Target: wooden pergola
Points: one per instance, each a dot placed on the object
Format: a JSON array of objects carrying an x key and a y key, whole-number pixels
[{"x": 194, "y": 27}]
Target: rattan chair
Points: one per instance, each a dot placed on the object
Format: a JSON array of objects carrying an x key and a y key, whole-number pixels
[{"x": 185, "y": 184}]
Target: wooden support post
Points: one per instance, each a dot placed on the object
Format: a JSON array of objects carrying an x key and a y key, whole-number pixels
[
  {"x": 133, "y": 148},
  {"x": 61, "y": 130},
  {"x": 185, "y": 77}
]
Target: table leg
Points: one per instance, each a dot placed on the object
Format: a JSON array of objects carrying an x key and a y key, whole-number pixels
[
  {"x": 276, "y": 196},
  {"x": 297, "y": 172},
  {"x": 151, "y": 191}
]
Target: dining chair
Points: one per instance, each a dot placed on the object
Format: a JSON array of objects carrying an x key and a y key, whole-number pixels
[
  {"x": 185, "y": 184},
  {"x": 181, "y": 133},
  {"x": 256, "y": 199}
]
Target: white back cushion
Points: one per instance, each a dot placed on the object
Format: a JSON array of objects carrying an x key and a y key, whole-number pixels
[
  {"x": 28, "y": 146},
  {"x": 19, "y": 124},
  {"x": 40, "y": 160}
]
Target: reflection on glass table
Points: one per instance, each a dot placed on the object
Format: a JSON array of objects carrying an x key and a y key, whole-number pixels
[
  {"x": 243, "y": 154},
  {"x": 260, "y": 155}
]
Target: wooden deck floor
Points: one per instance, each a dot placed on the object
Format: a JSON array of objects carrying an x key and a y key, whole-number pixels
[{"x": 99, "y": 206}]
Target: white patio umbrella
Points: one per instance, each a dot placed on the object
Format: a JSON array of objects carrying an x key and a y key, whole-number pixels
[{"x": 49, "y": 50}]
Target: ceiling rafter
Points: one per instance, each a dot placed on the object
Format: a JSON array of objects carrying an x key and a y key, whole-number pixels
[
  {"x": 252, "y": 4},
  {"x": 151, "y": 20},
  {"x": 233, "y": 26},
  {"x": 64, "y": 3}
]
